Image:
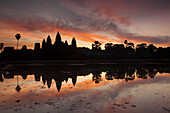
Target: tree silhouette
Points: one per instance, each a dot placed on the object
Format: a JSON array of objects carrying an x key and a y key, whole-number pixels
[
  {"x": 125, "y": 42},
  {"x": 130, "y": 45},
  {"x": 118, "y": 47},
  {"x": 152, "y": 48},
  {"x": 141, "y": 46},
  {"x": 18, "y": 36},
  {"x": 130, "y": 51},
  {"x": 108, "y": 46},
  {"x": 141, "y": 50},
  {"x": 96, "y": 45}
]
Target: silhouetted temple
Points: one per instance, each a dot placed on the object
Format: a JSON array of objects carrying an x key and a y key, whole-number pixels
[
  {"x": 60, "y": 50},
  {"x": 48, "y": 50}
]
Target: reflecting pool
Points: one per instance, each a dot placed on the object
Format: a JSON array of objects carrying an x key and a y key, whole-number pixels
[{"x": 85, "y": 88}]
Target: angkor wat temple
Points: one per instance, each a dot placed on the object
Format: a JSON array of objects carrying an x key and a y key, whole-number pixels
[
  {"x": 57, "y": 50},
  {"x": 60, "y": 50}
]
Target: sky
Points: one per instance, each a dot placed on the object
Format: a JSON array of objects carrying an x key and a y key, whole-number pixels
[{"x": 107, "y": 21}]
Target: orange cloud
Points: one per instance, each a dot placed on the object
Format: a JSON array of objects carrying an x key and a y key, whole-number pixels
[
  {"x": 33, "y": 32},
  {"x": 21, "y": 28}
]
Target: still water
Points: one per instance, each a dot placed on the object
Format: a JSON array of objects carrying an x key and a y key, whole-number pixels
[{"x": 102, "y": 88}]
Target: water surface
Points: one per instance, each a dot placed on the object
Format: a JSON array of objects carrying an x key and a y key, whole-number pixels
[{"x": 103, "y": 88}]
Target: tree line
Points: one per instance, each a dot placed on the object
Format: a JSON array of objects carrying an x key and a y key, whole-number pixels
[{"x": 62, "y": 50}]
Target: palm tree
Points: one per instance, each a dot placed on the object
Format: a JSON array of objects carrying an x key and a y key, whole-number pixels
[
  {"x": 126, "y": 42},
  {"x": 18, "y": 36}
]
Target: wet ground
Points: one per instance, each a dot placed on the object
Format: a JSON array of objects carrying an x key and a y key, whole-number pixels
[{"x": 90, "y": 90}]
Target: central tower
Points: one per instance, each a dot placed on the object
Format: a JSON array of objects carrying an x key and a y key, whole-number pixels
[{"x": 57, "y": 39}]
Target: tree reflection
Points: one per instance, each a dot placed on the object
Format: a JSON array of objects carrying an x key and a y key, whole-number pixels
[
  {"x": 18, "y": 88},
  {"x": 59, "y": 74},
  {"x": 96, "y": 77},
  {"x": 109, "y": 76},
  {"x": 142, "y": 73}
]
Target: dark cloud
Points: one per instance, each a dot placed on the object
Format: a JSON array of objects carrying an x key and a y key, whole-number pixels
[
  {"x": 148, "y": 39},
  {"x": 107, "y": 18}
]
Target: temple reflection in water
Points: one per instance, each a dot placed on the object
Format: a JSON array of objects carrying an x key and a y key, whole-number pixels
[{"x": 61, "y": 73}]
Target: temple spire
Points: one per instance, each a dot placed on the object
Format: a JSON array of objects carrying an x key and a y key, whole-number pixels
[
  {"x": 48, "y": 40},
  {"x": 73, "y": 43},
  {"x": 43, "y": 44},
  {"x": 58, "y": 38},
  {"x": 66, "y": 43}
]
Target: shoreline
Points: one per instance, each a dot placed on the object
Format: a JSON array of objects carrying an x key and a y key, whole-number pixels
[
  {"x": 84, "y": 61},
  {"x": 20, "y": 63}
]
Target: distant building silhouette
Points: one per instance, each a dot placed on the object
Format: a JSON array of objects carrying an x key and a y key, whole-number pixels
[
  {"x": 60, "y": 50},
  {"x": 37, "y": 47},
  {"x": 8, "y": 48}
]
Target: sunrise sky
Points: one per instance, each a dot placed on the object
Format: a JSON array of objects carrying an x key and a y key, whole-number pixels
[{"x": 87, "y": 20}]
